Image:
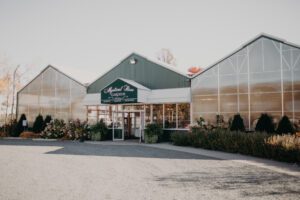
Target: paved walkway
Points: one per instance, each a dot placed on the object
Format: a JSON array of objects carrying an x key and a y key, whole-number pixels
[
  {"x": 125, "y": 170},
  {"x": 281, "y": 167}
]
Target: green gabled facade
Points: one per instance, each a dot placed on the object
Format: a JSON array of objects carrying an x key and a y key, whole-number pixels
[{"x": 150, "y": 74}]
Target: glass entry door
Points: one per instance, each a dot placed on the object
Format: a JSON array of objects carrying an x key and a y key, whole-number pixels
[
  {"x": 128, "y": 122},
  {"x": 117, "y": 127},
  {"x": 128, "y": 125},
  {"x": 132, "y": 125}
]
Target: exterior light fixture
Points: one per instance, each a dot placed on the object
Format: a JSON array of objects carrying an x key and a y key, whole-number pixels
[{"x": 132, "y": 61}]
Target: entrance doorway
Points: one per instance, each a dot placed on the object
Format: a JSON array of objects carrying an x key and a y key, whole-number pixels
[
  {"x": 132, "y": 125},
  {"x": 128, "y": 125}
]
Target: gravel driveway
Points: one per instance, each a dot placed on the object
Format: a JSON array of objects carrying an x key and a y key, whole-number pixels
[{"x": 72, "y": 170}]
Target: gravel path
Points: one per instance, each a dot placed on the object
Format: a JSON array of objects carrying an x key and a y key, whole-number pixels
[{"x": 72, "y": 170}]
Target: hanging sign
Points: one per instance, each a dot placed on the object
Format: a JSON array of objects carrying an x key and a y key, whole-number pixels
[{"x": 119, "y": 92}]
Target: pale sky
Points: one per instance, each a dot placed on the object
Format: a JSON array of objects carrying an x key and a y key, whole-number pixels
[{"x": 86, "y": 38}]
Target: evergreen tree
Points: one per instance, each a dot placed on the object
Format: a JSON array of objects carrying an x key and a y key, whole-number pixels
[
  {"x": 19, "y": 127},
  {"x": 237, "y": 123},
  {"x": 38, "y": 124},
  {"x": 265, "y": 124},
  {"x": 47, "y": 120},
  {"x": 285, "y": 126}
]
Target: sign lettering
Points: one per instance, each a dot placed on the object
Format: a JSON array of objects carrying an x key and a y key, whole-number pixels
[{"x": 119, "y": 92}]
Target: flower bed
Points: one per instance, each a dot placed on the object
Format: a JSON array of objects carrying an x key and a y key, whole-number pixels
[{"x": 72, "y": 130}]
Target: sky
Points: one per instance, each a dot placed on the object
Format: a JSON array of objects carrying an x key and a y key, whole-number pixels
[{"x": 86, "y": 38}]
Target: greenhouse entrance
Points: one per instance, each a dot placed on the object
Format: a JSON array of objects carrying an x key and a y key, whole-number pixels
[{"x": 128, "y": 124}]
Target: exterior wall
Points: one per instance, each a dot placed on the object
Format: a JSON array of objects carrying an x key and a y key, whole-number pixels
[
  {"x": 176, "y": 95},
  {"x": 262, "y": 77},
  {"x": 172, "y": 116},
  {"x": 144, "y": 72},
  {"x": 52, "y": 93},
  {"x": 170, "y": 95}
]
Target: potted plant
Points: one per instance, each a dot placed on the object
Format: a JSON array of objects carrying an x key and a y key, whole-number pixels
[
  {"x": 99, "y": 131},
  {"x": 152, "y": 133}
]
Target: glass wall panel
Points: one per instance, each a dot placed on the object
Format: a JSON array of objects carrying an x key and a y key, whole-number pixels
[
  {"x": 228, "y": 76},
  {"x": 208, "y": 82},
  {"x": 227, "y": 67},
  {"x": 118, "y": 125},
  {"x": 157, "y": 110},
  {"x": 256, "y": 56},
  {"x": 133, "y": 107},
  {"x": 228, "y": 103},
  {"x": 288, "y": 102},
  {"x": 266, "y": 102},
  {"x": 265, "y": 82},
  {"x": 271, "y": 56},
  {"x": 287, "y": 80},
  {"x": 228, "y": 84},
  {"x": 205, "y": 103},
  {"x": 183, "y": 115},
  {"x": 92, "y": 114},
  {"x": 243, "y": 83},
  {"x": 243, "y": 103},
  {"x": 170, "y": 116},
  {"x": 148, "y": 114},
  {"x": 297, "y": 101},
  {"x": 265, "y": 75},
  {"x": 297, "y": 119},
  {"x": 105, "y": 114},
  {"x": 173, "y": 113},
  {"x": 296, "y": 78}
]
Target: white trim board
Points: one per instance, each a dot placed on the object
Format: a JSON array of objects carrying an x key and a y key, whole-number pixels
[{"x": 175, "y": 95}]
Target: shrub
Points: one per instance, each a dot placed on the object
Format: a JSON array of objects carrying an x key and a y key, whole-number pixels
[
  {"x": 54, "y": 129},
  {"x": 47, "y": 120},
  {"x": 28, "y": 134},
  {"x": 283, "y": 148},
  {"x": 181, "y": 139},
  {"x": 99, "y": 131},
  {"x": 153, "y": 133},
  {"x": 19, "y": 128},
  {"x": 290, "y": 142},
  {"x": 75, "y": 129},
  {"x": 3, "y": 133},
  {"x": 265, "y": 124},
  {"x": 8, "y": 129},
  {"x": 285, "y": 126},
  {"x": 220, "y": 120},
  {"x": 237, "y": 124},
  {"x": 201, "y": 122},
  {"x": 38, "y": 125}
]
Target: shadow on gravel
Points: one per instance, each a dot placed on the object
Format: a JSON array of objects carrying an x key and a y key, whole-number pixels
[
  {"x": 247, "y": 181},
  {"x": 117, "y": 150}
]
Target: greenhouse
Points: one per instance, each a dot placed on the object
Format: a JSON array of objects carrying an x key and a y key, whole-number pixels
[
  {"x": 263, "y": 76},
  {"x": 54, "y": 93}
]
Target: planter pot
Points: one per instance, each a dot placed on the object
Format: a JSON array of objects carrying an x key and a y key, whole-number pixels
[
  {"x": 96, "y": 136},
  {"x": 81, "y": 139},
  {"x": 151, "y": 139}
]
